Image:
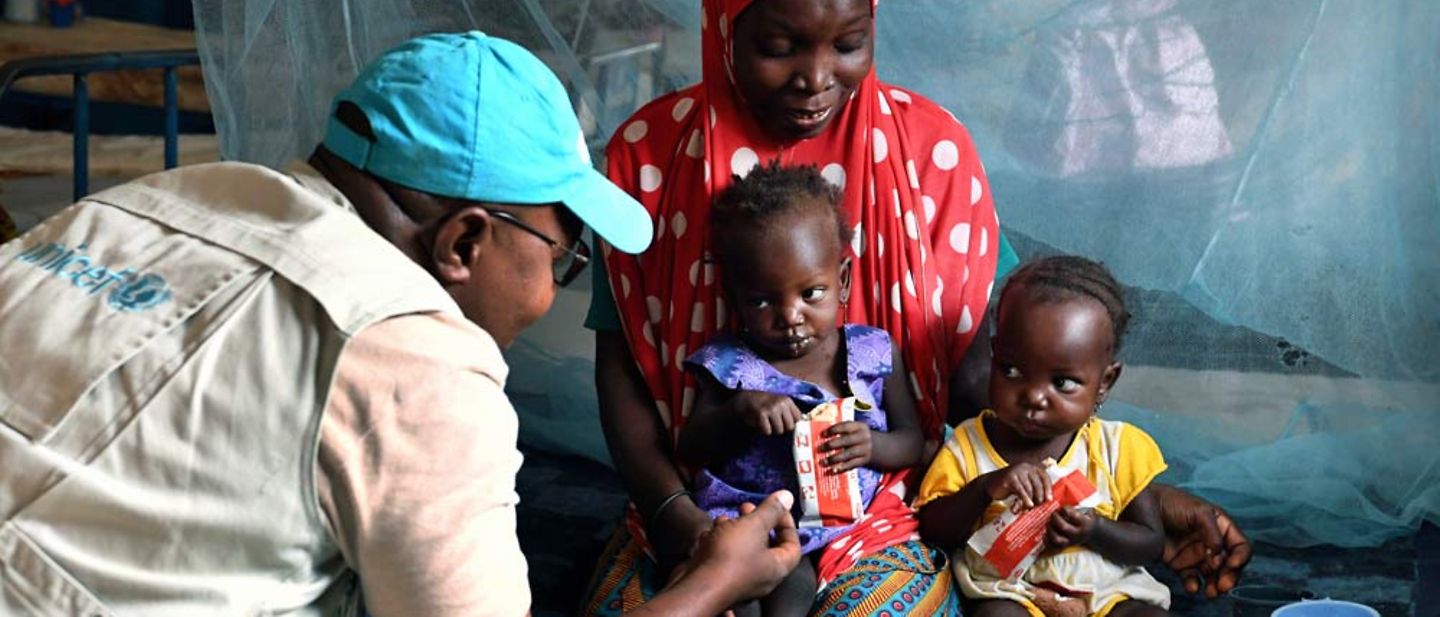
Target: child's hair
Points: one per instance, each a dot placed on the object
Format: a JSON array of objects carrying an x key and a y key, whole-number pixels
[
  {"x": 768, "y": 191},
  {"x": 1068, "y": 276}
]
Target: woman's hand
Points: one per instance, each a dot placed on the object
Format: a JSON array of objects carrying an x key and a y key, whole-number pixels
[
  {"x": 1025, "y": 481},
  {"x": 770, "y": 414},
  {"x": 1070, "y": 526},
  {"x": 677, "y": 532},
  {"x": 851, "y": 446},
  {"x": 1202, "y": 543}
]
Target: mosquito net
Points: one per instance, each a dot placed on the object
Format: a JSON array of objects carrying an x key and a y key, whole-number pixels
[{"x": 1263, "y": 176}]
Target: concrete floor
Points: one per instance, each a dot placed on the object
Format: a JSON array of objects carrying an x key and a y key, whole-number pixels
[
  {"x": 35, "y": 179},
  {"x": 30, "y": 200}
]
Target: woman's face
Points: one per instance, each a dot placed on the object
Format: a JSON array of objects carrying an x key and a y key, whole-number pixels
[{"x": 798, "y": 61}]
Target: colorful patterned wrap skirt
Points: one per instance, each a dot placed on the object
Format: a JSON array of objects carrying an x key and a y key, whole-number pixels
[{"x": 906, "y": 579}]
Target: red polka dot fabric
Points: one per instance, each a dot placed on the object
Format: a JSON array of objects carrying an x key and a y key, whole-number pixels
[{"x": 925, "y": 242}]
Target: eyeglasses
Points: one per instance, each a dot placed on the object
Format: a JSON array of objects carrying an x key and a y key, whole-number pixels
[
  {"x": 570, "y": 263},
  {"x": 565, "y": 269}
]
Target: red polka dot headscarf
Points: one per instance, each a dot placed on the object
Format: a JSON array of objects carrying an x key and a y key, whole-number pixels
[{"x": 925, "y": 237}]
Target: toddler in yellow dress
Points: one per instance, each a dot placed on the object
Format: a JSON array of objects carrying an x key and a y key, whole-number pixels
[{"x": 1058, "y": 326}]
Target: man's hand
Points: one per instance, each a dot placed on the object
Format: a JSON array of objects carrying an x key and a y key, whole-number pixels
[
  {"x": 1202, "y": 543},
  {"x": 1070, "y": 526},
  {"x": 849, "y": 445},
  {"x": 739, "y": 554},
  {"x": 736, "y": 560},
  {"x": 770, "y": 414}
]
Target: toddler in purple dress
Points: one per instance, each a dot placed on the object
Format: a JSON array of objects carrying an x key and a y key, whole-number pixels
[{"x": 780, "y": 239}]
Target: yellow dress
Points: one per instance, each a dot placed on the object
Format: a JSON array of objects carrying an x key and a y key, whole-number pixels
[{"x": 1118, "y": 458}]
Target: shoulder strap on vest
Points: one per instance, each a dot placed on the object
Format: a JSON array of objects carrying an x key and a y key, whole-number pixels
[{"x": 356, "y": 275}]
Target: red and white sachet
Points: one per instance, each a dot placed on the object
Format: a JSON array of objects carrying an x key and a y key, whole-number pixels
[
  {"x": 1013, "y": 540},
  {"x": 829, "y": 500}
]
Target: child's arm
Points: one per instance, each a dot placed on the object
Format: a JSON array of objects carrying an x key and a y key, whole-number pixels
[
  {"x": 723, "y": 421},
  {"x": 1135, "y": 540},
  {"x": 710, "y": 433},
  {"x": 900, "y": 446},
  {"x": 855, "y": 445},
  {"x": 948, "y": 521}
]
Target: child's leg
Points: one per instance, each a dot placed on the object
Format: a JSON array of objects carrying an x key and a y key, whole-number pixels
[
  {"x": 996, "y": 608},
  {"x": 1056, "y": 605},
  {"x": 795, "y": 595},
  {"x": 749, "y": 608},
  {"x": 1136, "y": 608}
]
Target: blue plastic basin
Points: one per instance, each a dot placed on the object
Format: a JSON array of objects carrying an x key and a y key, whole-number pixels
[{"x": 1325, "y": 608}]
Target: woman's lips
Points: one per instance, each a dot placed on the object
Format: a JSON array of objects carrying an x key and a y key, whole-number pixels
[{"x": 808, "y": 119}]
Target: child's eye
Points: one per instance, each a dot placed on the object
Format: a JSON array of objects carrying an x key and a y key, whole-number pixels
[
  {"x": 758, "y": 303},
  {"x": 1009, "y": 372},
  {"x": 813, "y": 294},
  {"x": 1066, "y": 384}
]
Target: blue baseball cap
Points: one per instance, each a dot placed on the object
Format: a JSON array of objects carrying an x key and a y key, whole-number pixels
[{"x": 479, "y": 118}]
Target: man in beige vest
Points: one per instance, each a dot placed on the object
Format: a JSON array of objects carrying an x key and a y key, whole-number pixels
[{"x": 228, "y": 390}]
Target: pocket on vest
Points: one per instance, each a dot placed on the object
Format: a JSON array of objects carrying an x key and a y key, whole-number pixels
[{"x": 91, "y": 288}]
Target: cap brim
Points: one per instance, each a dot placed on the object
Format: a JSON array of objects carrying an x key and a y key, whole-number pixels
[{"x": 611, "y": 213}]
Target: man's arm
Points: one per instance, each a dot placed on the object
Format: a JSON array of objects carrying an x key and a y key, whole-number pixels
[
  {"x": 735, "y": 561},
  {"x": 415, "y": 471}
]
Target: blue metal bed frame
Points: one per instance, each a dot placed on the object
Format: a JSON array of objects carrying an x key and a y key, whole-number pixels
[{"x": 80, "y": 67}]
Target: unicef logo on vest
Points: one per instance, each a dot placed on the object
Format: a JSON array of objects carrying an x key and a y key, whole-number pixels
[
  {"x": 130, "y": 291},
  {"x": 141, "y": 293}
]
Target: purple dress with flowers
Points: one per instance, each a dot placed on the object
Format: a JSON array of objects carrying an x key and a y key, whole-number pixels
[{"x": 768, "y": 464}]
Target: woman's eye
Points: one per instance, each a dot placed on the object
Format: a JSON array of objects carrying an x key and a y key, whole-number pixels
[
  {"x": 776, "y": 48},
  {"x": 850, "y": 45},
  {"x": 813, "y": 294}
]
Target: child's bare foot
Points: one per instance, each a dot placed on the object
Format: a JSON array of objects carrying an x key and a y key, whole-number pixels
[{"x": 1056, "y": 605}]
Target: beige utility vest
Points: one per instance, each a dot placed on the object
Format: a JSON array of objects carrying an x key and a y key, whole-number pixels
[{"x": 166, "y": 349}]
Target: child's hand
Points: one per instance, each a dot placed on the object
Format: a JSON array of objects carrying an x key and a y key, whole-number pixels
[
  {"x": 850, "y": 442},
  {"x": 1070, "y": 526},
  {"x": 771, "y": 414},
  {"x": 1025, "y": 481}
]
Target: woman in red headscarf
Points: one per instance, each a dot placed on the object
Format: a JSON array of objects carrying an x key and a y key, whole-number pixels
[{"x": 791, "y": 80}]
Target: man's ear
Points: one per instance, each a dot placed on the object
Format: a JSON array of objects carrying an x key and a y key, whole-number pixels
[
  {"x": 845, "y": 280},
  {"x": 1107, "y": 381},
  {"x": 462, "y": 237}
]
